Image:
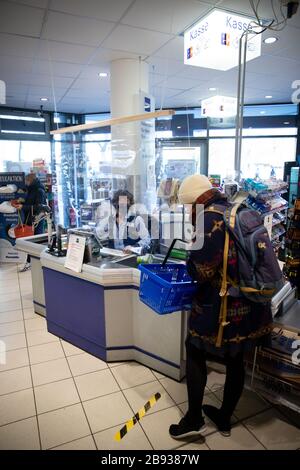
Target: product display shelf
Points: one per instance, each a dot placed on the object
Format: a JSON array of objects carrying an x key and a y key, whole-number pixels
[
  {"x": 292, "y": 246},
  {"x": 273, "y": 389},
  {"x": 266, "y": 198},
  {"x": 273, "y": 372}
]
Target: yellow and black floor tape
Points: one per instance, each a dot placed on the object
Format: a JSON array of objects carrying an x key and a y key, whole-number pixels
[{"x": 137, "y": 417}]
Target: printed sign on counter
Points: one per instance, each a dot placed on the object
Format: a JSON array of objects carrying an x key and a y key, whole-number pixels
[{"x": 75, "y": 253}]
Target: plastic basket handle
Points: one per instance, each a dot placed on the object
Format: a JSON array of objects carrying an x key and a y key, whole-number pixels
[{"x": 171, "y": 248}]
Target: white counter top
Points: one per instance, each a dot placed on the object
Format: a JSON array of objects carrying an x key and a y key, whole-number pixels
[{"x": 107, "y": 274}]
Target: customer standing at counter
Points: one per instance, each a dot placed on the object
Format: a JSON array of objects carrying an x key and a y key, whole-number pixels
[
  {"x": 35, "y": 197},
  {"x": 249, "y": 323},
  {"x": 124, "y": 228}
]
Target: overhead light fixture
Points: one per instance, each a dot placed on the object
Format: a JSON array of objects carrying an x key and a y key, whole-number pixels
[
  {"x": 44, "y": 99},
  {"x": 178, "y": 127},
  {"x": 286, "y": 123},
  {"x": 262, "y": 112},
  {"x": 270, "y": 40},
  {"x": 212, "y": 88},
  {"x": 268, "y": 97},
  {"x": 103, "y": 74}
]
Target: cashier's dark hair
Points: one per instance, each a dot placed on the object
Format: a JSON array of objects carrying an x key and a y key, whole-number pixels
[{"x": 122, "y": 193}]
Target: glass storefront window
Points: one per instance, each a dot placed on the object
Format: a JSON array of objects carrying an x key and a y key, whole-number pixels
[
  {"x": 22, "y": 154},
  {"x": 221, "y": 157},
  {"x": 263, "y": 156},
  {"x": 260, "y": 156}
]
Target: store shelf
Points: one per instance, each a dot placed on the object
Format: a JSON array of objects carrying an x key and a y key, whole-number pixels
[
  {"x": 273, "y": 211},
  {"x": 278, "y": 235},
  {"x": 261, "y": 197},
  {"x": 290, "y": 320},
  {"x": 274, "y": 389}
]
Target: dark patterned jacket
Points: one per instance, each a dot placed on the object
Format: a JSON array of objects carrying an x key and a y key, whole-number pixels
[{"x": 247, "y": 321}]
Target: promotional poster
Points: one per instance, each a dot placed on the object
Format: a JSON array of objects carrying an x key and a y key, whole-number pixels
[{"x": 12, "y": 186}]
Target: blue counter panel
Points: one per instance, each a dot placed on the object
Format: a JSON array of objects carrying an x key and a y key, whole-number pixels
[{"x": 75, "y": 311}]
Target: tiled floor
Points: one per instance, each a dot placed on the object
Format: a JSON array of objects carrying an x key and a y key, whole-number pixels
[{"x": 55, "y": 396}]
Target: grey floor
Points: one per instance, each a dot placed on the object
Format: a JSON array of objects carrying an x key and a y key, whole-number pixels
[{"x": 55, "y": 396}]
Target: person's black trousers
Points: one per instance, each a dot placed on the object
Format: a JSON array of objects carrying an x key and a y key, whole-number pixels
[{"x": 196, "y": 377}]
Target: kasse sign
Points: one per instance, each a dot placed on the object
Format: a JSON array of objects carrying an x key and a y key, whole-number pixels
[{"x": 214, "y": 41}]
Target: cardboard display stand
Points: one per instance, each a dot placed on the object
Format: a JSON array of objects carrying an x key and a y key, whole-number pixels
[{"x": 8, "y": 252}]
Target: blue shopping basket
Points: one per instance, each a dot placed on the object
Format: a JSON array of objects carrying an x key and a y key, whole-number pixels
[{"x": 166, "y": 288}]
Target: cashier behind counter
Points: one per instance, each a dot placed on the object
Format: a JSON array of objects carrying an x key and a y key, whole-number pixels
[{"x": 124, "y": 228}]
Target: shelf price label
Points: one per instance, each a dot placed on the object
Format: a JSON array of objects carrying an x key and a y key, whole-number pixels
[{"x": 268, "y": 223}]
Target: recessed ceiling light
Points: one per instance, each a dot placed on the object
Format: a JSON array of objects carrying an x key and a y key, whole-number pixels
[
  {"x": 270, "y": 40},
  {"x": 212, "y": 88},
  {"x": 268, "y": 96},
  {"x": 178, "y": 127},
  {"x": 44, "y": 99},
  {"x": 103, "y": 74},
  {"x": 262, "y": 112},
  {"x": 286, "y": 123}
]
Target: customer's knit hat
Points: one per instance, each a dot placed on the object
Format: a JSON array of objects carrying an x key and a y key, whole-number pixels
[{"x": 192, "y": 187}]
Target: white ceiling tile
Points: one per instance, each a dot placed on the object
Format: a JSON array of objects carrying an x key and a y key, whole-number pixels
[
  {"x": 33, "y": 3},
  {"x": 47, "y": 91},
  {"x": 15, "y": 97},
  {"x": 20, "y": 19},
  {"x": 164, "y": 92},
  {"x": 13, "y": 66},
  {"x": 196, "y": 73},
  {"x": 99, "y": 9},
  {"x": 20, "y": 46},
  {"x": 51, "y": 99},
  {"x": 15, "y": 103},
  {"x": 164, "y": 66},
  {"x": 92, "y": 82},
  {"x": 140, "y": 41},
  {"x": 172, "y": 50},
  {"x": 256, "y": 95},
  {"x": 104, "y": 56},
  {"x": 291, "y": 52},
  {"x": 179, "y": 83},
  {"x": 243, "y": 7},
  {"x": 92, "y": 71},
  {"x": 86, "y": 92},
  {"x": 155, "y": 78},
  {"x": 287, "y": 38},
  {"x": 273, "y": 65},
  {"x": 167, "y": 16},
  {"x": 59, "y": 69},
  {"x": 12, "y": 89},
  {"x": 73, "y": 29},
  {"x": 43, "y": 80},
  {"x": 62, "y": 52}
]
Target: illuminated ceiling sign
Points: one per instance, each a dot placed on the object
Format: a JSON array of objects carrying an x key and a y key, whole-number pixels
[
  {"x": 219, "y": 107},
  {"x": 214, "y": 41},
  {"x": 2, "y": 92}
]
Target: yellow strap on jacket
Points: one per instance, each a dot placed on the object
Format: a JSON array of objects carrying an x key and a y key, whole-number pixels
[{"x": 224, "y": 286}]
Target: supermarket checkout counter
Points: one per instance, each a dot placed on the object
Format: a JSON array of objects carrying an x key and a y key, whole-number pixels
[
  {"x": 99, "y": 311},
  {"x": 34, "y": 246}
]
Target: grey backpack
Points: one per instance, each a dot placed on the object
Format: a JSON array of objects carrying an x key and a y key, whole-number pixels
[{"x": 260, "y": 276}]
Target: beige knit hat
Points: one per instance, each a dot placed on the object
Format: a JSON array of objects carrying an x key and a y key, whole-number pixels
[{"x": 192, "y": 187}]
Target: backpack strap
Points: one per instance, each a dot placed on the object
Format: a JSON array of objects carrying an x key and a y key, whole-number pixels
[{"x": 230, "y": 215}]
